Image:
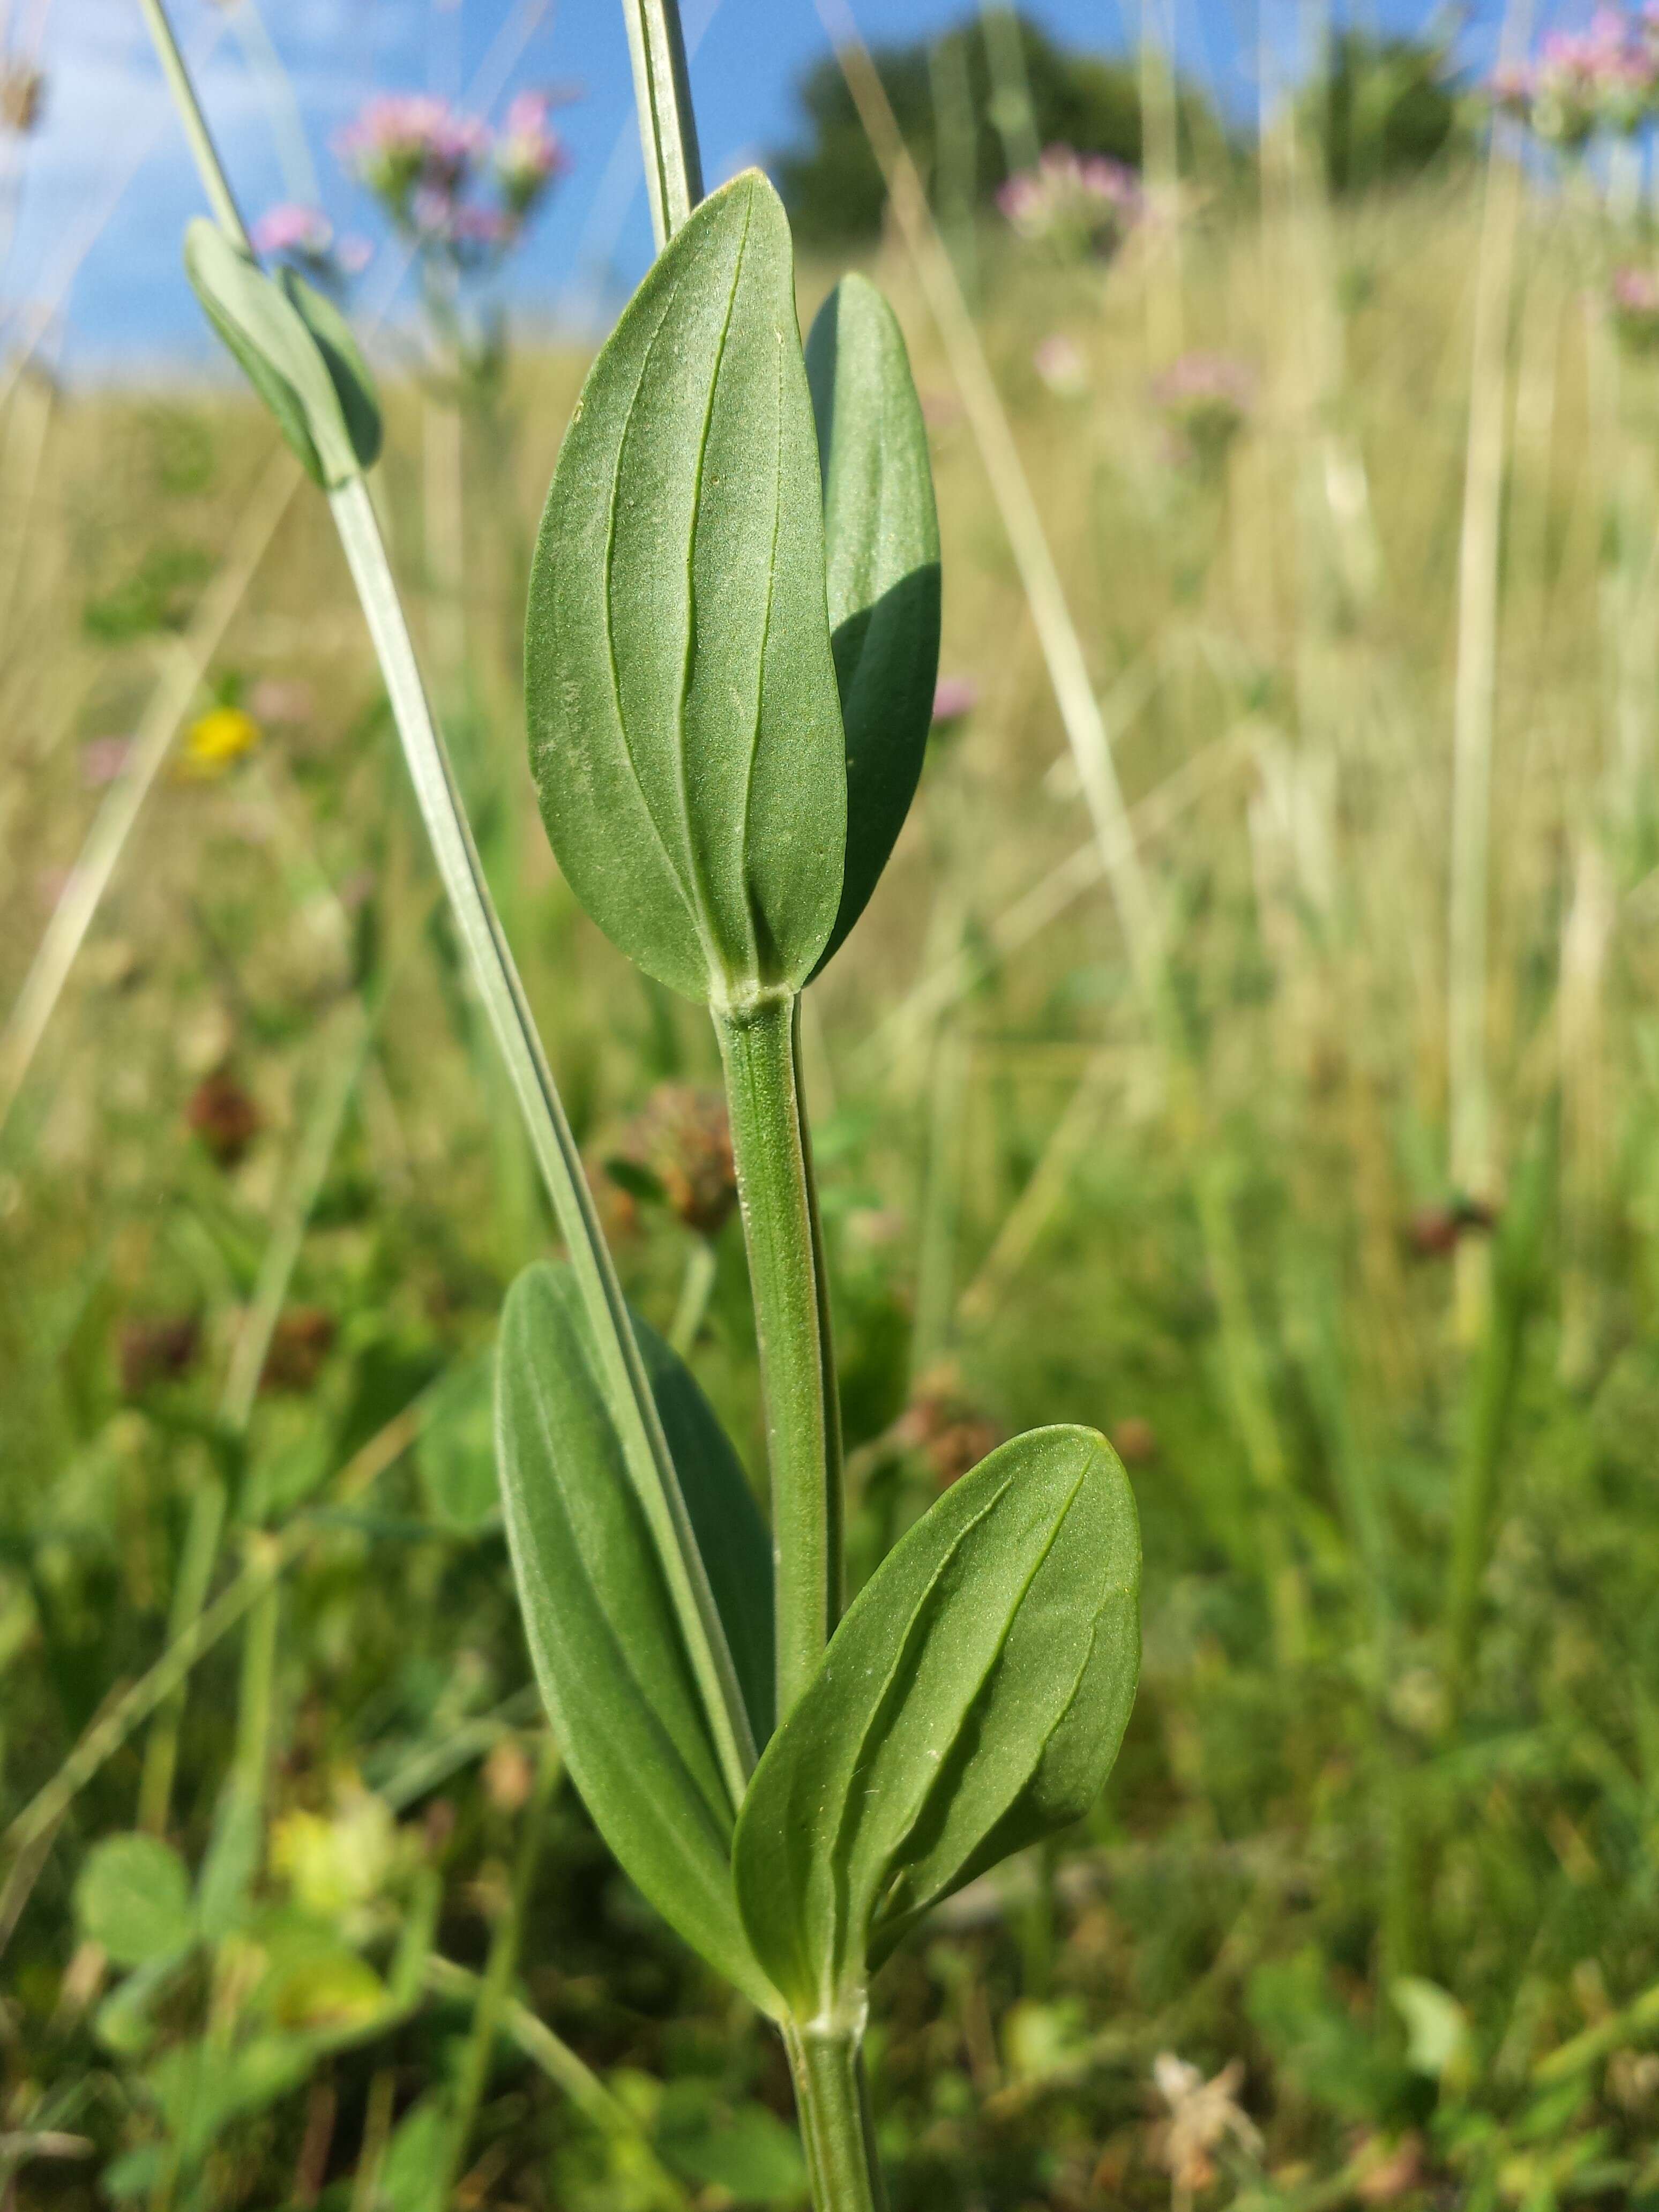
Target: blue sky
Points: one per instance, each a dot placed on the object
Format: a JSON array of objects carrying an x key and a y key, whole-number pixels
[{"x": 107, "y": 164}]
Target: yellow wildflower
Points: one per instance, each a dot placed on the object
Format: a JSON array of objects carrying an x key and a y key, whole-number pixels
[{"x": 218, "y": 739}]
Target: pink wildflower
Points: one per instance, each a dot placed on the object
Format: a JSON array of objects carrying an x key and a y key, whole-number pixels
[
  {"x": 954, "y": 699},
  {"x": 1059, "y": 361},
  {"x": 294, "y": 233},
  {"x": 102, "y": 760},
  {"x": 528, "y": 154},
  {"x": 1207, "y": 398},
  {"x": 1602, "y": 78},
  {"x": 1079, "y": 203},
  {"x": 1635, "y": 295},
  {"x": 405, "y": 140},
  {"x": 281, "y": 699}
]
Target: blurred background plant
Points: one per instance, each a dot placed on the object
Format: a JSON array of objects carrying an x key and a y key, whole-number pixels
[{"x": 294, "y": 1907}]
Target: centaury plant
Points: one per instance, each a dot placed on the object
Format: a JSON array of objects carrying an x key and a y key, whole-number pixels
[{"x": 731, "y": 651}]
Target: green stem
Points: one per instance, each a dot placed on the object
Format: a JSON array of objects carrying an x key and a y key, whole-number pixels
[
  {"x": 1011, "y": 111},
  {"x": 759, "y": 1049},
  {"x": 695, "y": 1293},
  {"x": 639, "y": 1430},
  {"x": 1492, "y": 1389},
  {"x": 619, "y": 2125},
  {"x": 1245, "y": 1367},
  {"x": 214, "y": 183},
  {"x": 253, "y": 1709},
  {"x": 832, "y": 2099},
  {"x": 496, "y": 1985},
  {"x": 208, "y": 1505},
  {"x": 668, "y": 128},
  {"x": 300, "y": 1192}
]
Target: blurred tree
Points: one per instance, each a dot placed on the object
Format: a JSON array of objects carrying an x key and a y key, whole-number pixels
[
  {"x": 830, "y": 182},
  {"x": 1385, "y": 109}
]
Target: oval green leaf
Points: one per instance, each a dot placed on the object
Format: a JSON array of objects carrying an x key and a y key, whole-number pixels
[
  {"x": 602, "y": 1635},
  {"x": 297, "y": 352},
  {"x": 133, "y": 1898},
  {"x": 972, "y": 1700},
  {"x": 349, "y": 372},
  {"x": 881, "y": 550},
  {"x": 684, "y": 732}
]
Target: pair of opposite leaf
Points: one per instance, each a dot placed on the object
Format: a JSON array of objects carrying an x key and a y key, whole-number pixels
[
  {"x": 733, "y": 623},
  {"x": 296, "y": 349},
  {"x": 971, "y": 1699}
]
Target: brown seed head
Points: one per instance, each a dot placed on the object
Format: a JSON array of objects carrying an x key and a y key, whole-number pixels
[
  {"x": 224, "y": 1116},
  {"x": 1134, "y": 1441},
  {"x": 944, "y": 1426},
  {"x": 682, "y": 1140},
  {"x": 301, "y": 1340},
  {"x": 154, "y": 1351},
  {"x": 22, "y": 96}
]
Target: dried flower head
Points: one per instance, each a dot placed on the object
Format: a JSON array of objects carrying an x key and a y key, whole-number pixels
[
  {"x": 509, "y": 1776},
  {"x": 1202, "y": 2116},
  {"x": 224, "y": 1116},
  {"x": 1434, "y": 1232},
  {"x": 680, "y": 1150},
  {"x": 1077, "y": 204},
  {"x": 301, "y": 1340},
  {"x": 944, "y": 1427},
  {"x": 1396, "y": 2172},
  {"x": 157, "y": 1352},
  {"x": 22, "y": 97},
  {"x": 1134, "y": 1441}
]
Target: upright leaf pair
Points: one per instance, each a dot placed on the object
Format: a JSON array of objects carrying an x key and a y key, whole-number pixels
[
  {"x": 722, "y": 778},
  {"x": 296, "y": 349},
  {"x": 971, "y": 1701}
]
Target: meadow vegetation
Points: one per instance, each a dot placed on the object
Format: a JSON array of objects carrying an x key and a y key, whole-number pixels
[{"x": 1355, "y": 1256}]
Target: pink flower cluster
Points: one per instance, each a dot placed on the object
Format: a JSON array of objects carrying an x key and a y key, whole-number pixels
[
  {"x": 954, "y": 698},
  {"x": 402, "y": 141},
  {"x": 1635, "y": 306},
  {"x": 1059, "y": 361},
  {"x": 528, "y": 155},
  {"x": 1206, "y": 398},
  {"x": 292, "y": 231},
  {"x": 420, "y": 157},
  {"x": 1080, "y": 203},
  {"x": 304, "y": 235},
  {"x": 1604, "y": 78}
]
